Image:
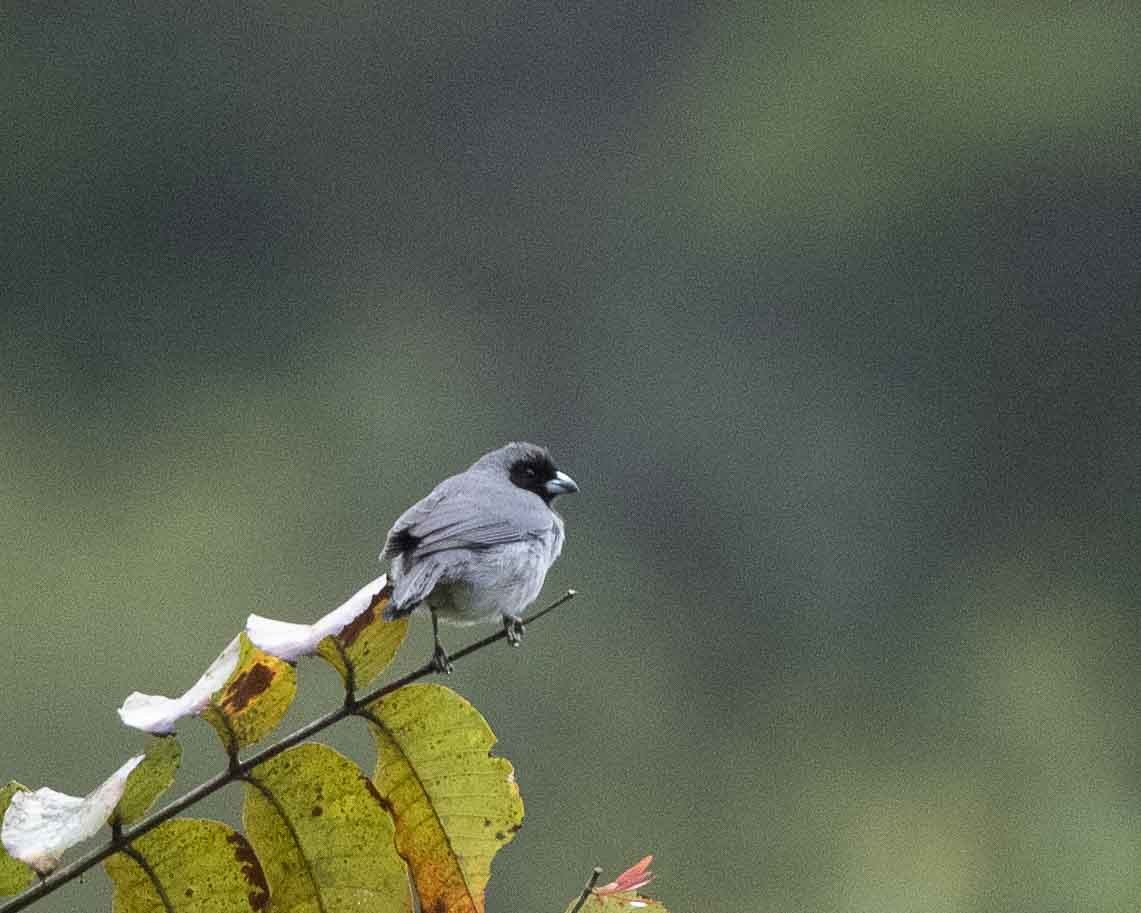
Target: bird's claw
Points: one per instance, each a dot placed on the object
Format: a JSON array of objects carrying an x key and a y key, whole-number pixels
[
  {"x": 514, "y": 628},
  {"x": 440, "y": 661}
]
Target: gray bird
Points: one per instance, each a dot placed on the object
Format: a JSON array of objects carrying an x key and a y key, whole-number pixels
[{"x": 479, "y": 546}]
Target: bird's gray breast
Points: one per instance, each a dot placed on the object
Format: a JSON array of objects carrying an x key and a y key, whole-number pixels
[{"x": 502, "y": 580}]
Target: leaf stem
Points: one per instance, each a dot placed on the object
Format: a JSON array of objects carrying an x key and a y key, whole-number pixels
[
  {"x": 156, "y": 882},
  {"x": 237, "y": 770}
]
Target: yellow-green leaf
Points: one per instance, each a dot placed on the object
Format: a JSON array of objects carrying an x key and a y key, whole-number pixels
[
  {"x": 626, "y": 902},
  {"x": 14, "y": 875},
  {"x": 454, "y": 805},
  {"x": 362, "y": 649},
  {"x": 323, "y": 836},
  {"x": 254, "y": 699},
  {"x": 150, "y": 779},
  {"x": 188, "y": 866}
]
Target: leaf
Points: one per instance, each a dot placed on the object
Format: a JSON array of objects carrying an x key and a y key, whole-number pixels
[
  {"x": 254, "y": 699},
  {"x": 619, "y": 896},
  {"x": 157, "y": 714},
  {"x": 243, "y": 695},
  {"x": 363, "y": 649},
  {"x": 40, "y": 826},
  {"x": 637, "y": 876},
  {"x": 454, "y": 806},
  {"x": 14, "y": 875},
  {"x": 626, "y": 902},
  {"x": 150, "y": 779},
  {"x": 323, "y": 836},
  {"x": 188, "y": 866},
  {"x": 354, "y": 638}
]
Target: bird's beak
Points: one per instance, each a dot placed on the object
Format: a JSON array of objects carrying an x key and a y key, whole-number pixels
[{"x": 561, "y": 484}]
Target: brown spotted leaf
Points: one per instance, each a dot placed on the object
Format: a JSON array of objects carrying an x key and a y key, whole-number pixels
[
  {"x": 254, "y": 698},
  {"x": 354, "y": 637},
  {"x": 188, "y": 866},
  {"x": 362, "y": 649},
  {"x": 453, "y": 804},
  {"x": 159, "y": 714},
  {"x": 323, "y": 836}
]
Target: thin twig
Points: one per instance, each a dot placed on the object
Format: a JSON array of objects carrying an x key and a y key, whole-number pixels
[
  {"x": 497, "y": 636},
  {"x": 591, "y": 882},
  {"x": 237, "y": 771}
]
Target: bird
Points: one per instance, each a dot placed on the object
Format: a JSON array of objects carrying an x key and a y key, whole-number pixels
[{"x": 479, "y": 545}]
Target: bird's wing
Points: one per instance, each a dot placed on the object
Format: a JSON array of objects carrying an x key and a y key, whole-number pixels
[{"x": 456, "y": 516}]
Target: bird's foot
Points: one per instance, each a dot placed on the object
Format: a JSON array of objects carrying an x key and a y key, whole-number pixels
[
  {"x": 514, "y": 628},
  {"x": 440, "y": 661}
]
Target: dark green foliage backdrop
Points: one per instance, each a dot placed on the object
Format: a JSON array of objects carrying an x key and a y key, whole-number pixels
[{"x": 832, "y": 314}]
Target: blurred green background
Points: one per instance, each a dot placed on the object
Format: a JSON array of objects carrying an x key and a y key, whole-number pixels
[{"x": 831, "y": 309}]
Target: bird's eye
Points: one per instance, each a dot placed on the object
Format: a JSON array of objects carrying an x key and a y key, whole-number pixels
[{"x": 529, "y": 471}]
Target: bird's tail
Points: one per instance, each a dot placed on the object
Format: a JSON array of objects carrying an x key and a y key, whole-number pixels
[
  {"x": 392, "y": 611},
  {"x": 413, "y": 587}
]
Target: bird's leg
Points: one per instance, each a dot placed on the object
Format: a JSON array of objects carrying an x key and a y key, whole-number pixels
[
  {"x": 440, "y": 661},
  {"x": 514, "y": 628}
]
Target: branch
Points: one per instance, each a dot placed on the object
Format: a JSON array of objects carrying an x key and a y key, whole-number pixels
[
  {"x": 237, "y": 771},
  {"x": 591, "y": 882}
]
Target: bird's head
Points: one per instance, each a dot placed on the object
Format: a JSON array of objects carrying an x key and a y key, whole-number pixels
[{"x": 531, "y": 468}]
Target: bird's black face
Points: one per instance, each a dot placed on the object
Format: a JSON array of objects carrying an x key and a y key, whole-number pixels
[{"x": 536, "y": 472}]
